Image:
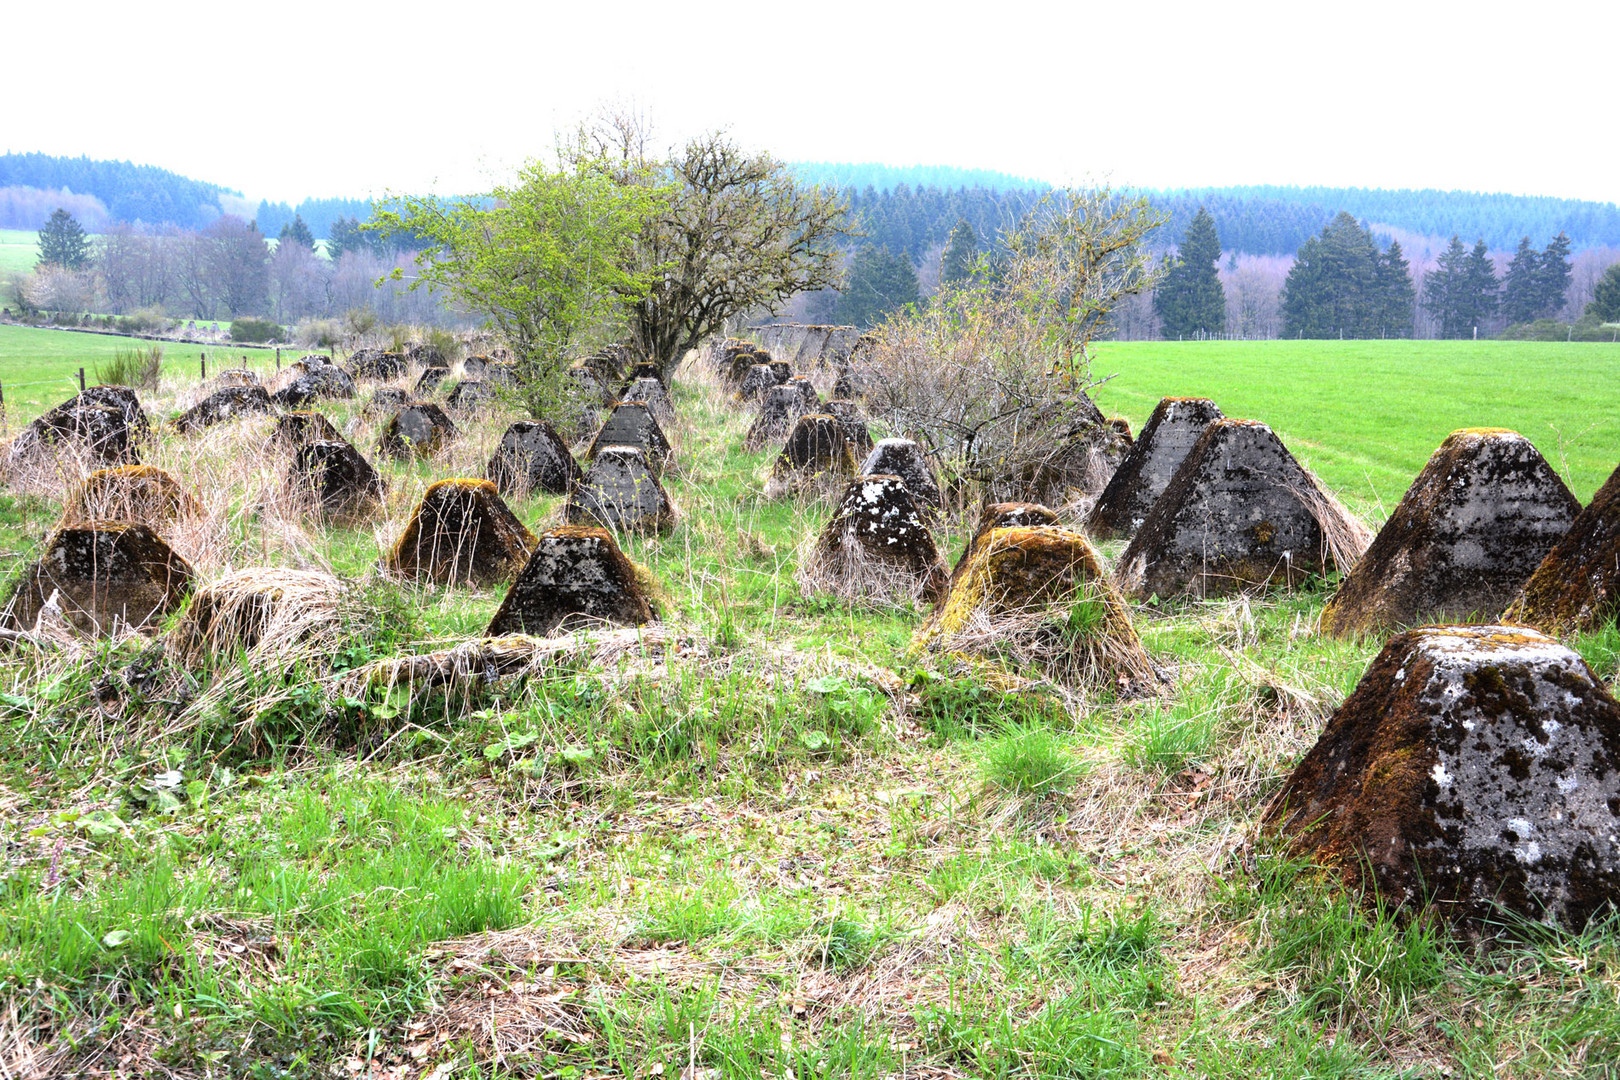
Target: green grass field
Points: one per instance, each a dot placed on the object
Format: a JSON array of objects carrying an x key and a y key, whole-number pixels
[
  {"x": 778, "y": 844},
  {"x": 40, "y": 368},
  {"x": 1365, "y": 415},
  {"x": 19, "y": 250}
]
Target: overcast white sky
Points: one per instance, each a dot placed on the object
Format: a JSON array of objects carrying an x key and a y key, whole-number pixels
[{"x": 292, "y": 98}]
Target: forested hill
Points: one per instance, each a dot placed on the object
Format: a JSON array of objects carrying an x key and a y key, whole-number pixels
[
  {"x": 881, "y": 178},
  {"x": 904, "y": 211},
  {"x": 129, "y": 192},
  {"x": 318, "y": 214},
  {"x": 1269, "y": 220}
]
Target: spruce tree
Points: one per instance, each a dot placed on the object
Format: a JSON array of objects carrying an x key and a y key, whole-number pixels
[
  {"x": 1335, "y": 288},
  {"x": 879, "y": 283},
  {"x": 1190, "y": 299},
  {"x": 1397, "y": 296},
  {"x": 1482, "y": 286},
  {"x": 1552, "y": 277},
  {"x": 296, "y": 231},
  {"x": 961, "y": 253},
  {"x": 63, "y": 243},
  {"x": 1605, "y": 303},
  {"x": 1521, "y": 287},
  {"x": 1443, "y": 289}
]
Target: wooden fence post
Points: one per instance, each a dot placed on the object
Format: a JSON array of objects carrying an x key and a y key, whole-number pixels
[
  {"x": 202, "y": 361},
  {"x": 81, "y": 380}
]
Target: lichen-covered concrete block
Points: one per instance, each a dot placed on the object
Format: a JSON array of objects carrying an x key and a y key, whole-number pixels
[
  {"x": 1476, "y": 768},
  {"x": 621, "y": 491},
  {"x": 1577, "y": 585},
  {"x": 577, "y": 579},
  {"x": 532, "y": 457},
  {"x": 1150, "y": 464},
  {"x": 1470, "y": 530}
]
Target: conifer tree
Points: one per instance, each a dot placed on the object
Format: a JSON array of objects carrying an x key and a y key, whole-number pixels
[
  {"x": 1335, "y": 288},
  {"x": 1443, "y": 288},
  {"x": 1605, "y": 304},
  {"x": 1521, "y": 286},
  {"x": 1397, "y": 301},
  {"x": 296, "y": 231},
  {"x": 1482, "y": 285},
  {"x": 879, "y": 283},
  {"x": 961, "y": 253},
  {"x": 1552, "y": 276},
  {"x": 1190, "y": 299},
  {"x": 63, "y": 243}
]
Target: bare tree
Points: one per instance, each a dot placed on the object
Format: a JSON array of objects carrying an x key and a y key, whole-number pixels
[
  {"x": 237, "y": 264},
  {"x": 991, "y": 376},
  {"x": 297, "y": 279},
  {"x": 735, "y": 234}
]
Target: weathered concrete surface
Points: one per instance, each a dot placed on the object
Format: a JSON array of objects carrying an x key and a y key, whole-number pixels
[
  {"x": 1037, "y": 597},
  {"x": 577, "y": 579},
  {"x": 1465, "y": 537},
  {"x": 853, "y": 421},
  {"x": 374, "y": 364},
  {"x": 142, "y": 493},
  {"x": 420, "y": 429},
  {"x": 335, "y": 482},
  {"x": 621, "y": 491},
  {"x": 1475, "y": 768},
  {"x": 295, "y": 429},
  {"x": 231, "y": 403},
  {"x": 1577, "y": 586},
  {"x": 102, "y": 576},
  {"x": 816, "y": 452},
  {"x": 1239, "y": 514},
  {"x": 471, "y": 395},
  {"x": 1002, "y": 515},
  {"x": 807, "y": 346},
  {"x": 758, "y": 379},
  {"x": 905, "y": 459},
  {"x": 321, "y": 382},
  {"x": 104, "y": 425},
  {"x": 532, "y": 457},
  {"x": 461, "y": 532},
  {"x": 632, "y": 423},
  {"x": 1150, "y": 464},
  {"x": 779, "y": 410},
  {"x": 876, "y": 547},
  {"x": 651, "y": 392}
]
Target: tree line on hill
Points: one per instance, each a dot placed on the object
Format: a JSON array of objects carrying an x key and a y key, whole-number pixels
[
  {"x": 1341, "y": 284},
  {"x": 128, "y": 192},
  {"x": 225, "y": 270}
]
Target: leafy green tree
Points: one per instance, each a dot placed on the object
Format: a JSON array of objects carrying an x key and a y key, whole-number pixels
[
  {"x": 1521, "y": 285},
  {"x": 63, "y": 243},
  {"x": 1190, "y": 299},
  {"x": 296, "y": 231},
  {"x": 1553, "y": 272},
  {"x": 547, "y": 258},
  {"x": 961, "y": 254},
  {"x": 730, "y": 234},
  {"x": 1397, "y": 296},
  {"x": 1605, "y": 303},
  {"x": 880, "y": 283}
]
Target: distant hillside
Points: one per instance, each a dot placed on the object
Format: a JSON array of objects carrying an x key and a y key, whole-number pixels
[
  {"x": 128, "y": 192},
  {"x": 888, "y": 177},
  {"x": 1269, "y": 220},
  {"x": 318, "y": 214}
]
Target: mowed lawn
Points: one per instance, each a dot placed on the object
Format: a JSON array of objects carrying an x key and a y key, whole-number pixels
[
  {"x": 1366, "y": 415},
  {"x": 19, "y": 250},
  {"x": 39, "y": 368}
]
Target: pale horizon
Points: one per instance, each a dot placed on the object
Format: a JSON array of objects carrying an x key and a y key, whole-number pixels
[{"x": 1264, "y": 94}]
